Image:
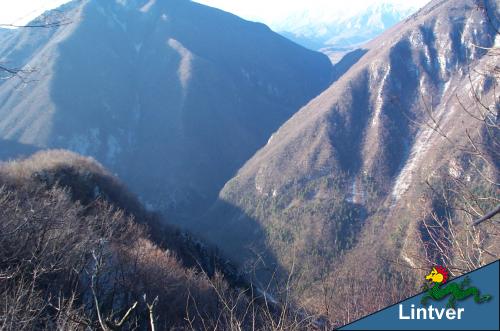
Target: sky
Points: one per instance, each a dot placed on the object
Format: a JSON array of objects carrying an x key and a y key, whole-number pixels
[
  {"x": 22, "y": 11},
  {"x": 275, "y": 12},
  {"x": 271, "y": 12}
]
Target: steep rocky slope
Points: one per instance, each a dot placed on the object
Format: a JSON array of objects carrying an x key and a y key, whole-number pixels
[
  {"x": 341, "y": 185},
  {"x": 172, "y": 96}
]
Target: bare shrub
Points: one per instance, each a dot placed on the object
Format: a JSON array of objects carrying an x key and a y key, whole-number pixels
[{"x": 71, "y": 259}]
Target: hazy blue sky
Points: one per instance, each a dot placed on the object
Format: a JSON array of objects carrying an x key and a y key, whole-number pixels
[
  {"x": 19, "y": 11},
  {"x": 271, "y": 12}
]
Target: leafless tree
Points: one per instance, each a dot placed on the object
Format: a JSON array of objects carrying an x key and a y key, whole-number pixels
[{"x": 462, "y": 230}]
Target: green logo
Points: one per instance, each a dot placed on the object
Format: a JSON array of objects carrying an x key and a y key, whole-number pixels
[{"x": 436, "y": 290}]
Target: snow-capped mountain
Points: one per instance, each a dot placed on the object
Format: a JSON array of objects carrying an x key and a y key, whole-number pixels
[{"x": 335, "y": 32}]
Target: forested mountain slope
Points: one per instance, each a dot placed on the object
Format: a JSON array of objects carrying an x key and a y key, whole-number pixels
[{"x": 349, "y": 184}]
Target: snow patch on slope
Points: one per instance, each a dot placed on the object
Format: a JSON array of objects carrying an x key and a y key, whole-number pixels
[
  {"x": 147, "y": 6},
  {"x": 357, "y": 195},
  {"x": 405, "y": 177},
  {"x": 380, "y": 97},
  {"x": 113, "y": 148},
  {"x": 186, "y": 63},
  {"x": 83, "y": 143}
]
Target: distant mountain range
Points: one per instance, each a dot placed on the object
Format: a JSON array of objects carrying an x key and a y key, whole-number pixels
[{"x": 336, "y": 33}]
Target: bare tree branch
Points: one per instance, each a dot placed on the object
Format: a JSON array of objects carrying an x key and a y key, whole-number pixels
[{"x": 488, "y": 216}]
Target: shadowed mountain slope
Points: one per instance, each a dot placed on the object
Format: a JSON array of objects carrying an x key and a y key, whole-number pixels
[{"x": 172, "y": 96}]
